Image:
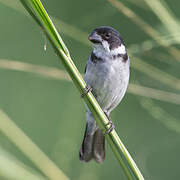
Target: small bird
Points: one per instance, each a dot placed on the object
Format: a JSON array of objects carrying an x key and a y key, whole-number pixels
[{"x": 107, "y": 75}]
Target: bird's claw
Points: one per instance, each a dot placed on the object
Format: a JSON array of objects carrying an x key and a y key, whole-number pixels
[
  {"x": 86, "y": 90},
  {"x": 109, "y": 123},
  {"x": 111, "y": 127}
]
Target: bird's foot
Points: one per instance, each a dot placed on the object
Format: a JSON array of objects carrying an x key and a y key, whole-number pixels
[
  {"x": 109, "y": 123},
  {"x": 86, "y": 90},
  {"x": 111, "y": 127}
]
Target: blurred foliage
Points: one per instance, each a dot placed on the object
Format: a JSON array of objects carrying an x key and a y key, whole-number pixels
[{"x": 40, "y": 106}]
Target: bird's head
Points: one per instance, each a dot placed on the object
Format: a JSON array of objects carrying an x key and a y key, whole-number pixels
[{"x": 107, "y": 39}]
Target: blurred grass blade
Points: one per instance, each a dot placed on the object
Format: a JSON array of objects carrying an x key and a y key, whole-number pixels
[
  {"x": 55, "y": 73},
  {"x": 154, "y": 93},
  {"x": 13, "y": 169},
  {"x": 138, "y": 3},
  {"x": 161, "y": 115},
  {"x": 47, "y": 23},
  {"x": 147, "y": 45},
  {"x": 156, "y": 74},
  {"x": 44, "y": 71},
  {"x": 129, "y": 166},
  {"x": 65, "y": 28},
  {"x": 81, "y": 36},
  {"x": 24, "y": 143},
  {"x": 162, "y": 11},
  {"x": 145, "y": 27}
]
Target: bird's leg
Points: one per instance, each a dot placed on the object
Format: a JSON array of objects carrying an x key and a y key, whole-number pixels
[
  {"x": 109, "y": 123},
  {"x": 86, "y": 90}
]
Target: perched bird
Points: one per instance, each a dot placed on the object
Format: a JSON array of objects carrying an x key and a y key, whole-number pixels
[{"x": 107, "y": 73}]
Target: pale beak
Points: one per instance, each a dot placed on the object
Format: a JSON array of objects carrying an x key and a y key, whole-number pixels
[{"x": 95, "y": 38}]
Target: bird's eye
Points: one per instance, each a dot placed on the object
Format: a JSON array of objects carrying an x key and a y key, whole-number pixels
[{"x": 107, "y": 35}]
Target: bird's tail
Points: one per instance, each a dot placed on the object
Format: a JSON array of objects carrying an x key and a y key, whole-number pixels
[{"x": 93, "y": 147}]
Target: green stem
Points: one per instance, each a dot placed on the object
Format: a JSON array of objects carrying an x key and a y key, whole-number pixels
[{"x": 36, "y": 9}]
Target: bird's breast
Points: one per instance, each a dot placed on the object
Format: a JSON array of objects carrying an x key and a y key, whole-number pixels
[{"x": 108, "y": 79}]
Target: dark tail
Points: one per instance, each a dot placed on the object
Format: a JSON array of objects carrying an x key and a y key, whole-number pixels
[{"x": 93, "y": 147}]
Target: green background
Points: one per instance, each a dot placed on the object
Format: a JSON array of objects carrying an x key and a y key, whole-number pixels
[{"x": 51, "y": 111}]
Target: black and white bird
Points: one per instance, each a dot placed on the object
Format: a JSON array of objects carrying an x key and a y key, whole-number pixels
[{"x": 107, "y": 73}]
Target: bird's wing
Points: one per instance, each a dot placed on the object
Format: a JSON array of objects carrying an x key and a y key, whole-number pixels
[{"x": 85, "y": 68}]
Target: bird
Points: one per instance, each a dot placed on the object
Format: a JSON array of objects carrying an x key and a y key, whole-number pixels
[{"x": 107, "y": 76}]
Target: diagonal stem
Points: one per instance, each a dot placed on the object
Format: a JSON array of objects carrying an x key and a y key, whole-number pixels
[{"x": 121, "y": 153}]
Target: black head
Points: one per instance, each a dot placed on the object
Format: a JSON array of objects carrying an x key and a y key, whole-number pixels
[{"x": 106, "y": 33}]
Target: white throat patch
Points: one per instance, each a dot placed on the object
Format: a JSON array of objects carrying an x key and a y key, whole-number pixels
[
  {"x": 101, "y": 50},
  {"x": 106, "y": 46}
]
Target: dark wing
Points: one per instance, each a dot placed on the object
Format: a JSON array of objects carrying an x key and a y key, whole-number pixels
[{"x": 85, "y": 69}]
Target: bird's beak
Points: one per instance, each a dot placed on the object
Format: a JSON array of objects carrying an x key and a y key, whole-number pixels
[{"x": 95, "y": 38}]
